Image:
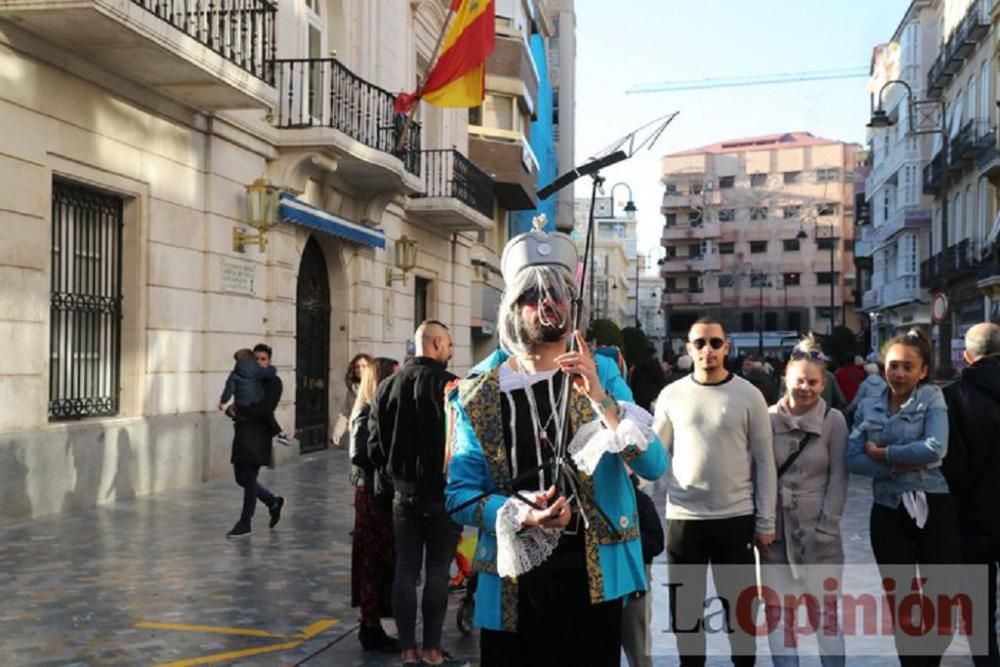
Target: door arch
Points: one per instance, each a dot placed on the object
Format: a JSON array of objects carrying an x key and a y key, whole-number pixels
[{"x": 312, "y": 350}]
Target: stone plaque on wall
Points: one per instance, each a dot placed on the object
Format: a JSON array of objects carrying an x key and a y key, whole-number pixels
[{"x": 238, "y": 276}]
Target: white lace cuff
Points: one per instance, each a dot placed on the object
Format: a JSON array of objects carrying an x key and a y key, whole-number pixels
[
  {"x": 519, "y": 551},
  {"x": 592, "y": 441}
]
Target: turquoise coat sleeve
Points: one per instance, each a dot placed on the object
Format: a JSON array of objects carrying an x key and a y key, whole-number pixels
[{"x": 652, "y": 463}]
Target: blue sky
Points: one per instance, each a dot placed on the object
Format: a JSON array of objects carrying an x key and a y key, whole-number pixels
[{"x": 621, "y": 43}]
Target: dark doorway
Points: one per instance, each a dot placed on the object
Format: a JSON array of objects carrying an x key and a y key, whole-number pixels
[
  {"x": 312, "y": 351},
  {"x": 421, "y": 289}
]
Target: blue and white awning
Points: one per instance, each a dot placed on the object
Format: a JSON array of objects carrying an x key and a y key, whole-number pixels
[{"x": 296, "y": 212}]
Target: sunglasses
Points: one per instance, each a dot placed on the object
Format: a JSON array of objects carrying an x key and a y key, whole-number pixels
[
  {"x": 716, "y": 343},
  {"x": 812, "y": 355},
  {"x": 532, "y": 295}
]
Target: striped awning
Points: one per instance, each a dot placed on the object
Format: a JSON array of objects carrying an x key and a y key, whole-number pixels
[{"x": 299, "y": 213}]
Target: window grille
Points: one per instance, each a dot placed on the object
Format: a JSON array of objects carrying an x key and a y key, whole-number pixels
[{"x": 86, "y": 303}]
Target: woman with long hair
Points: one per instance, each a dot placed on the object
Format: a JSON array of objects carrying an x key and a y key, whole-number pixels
[
  {"x": 899, "y": 439},
  {"x": 810, "y": 452},
  {"x": 373, "y": 553},
  {"x": 352, "y": 378}
]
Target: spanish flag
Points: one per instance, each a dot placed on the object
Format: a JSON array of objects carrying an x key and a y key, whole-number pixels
[{"x": 458, "y": 79}]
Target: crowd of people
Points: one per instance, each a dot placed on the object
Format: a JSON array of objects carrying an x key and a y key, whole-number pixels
[{"x": 545, "y": 446}]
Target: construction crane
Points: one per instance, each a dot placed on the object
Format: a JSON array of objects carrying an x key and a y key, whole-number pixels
[{"x": 743, "y": 81}]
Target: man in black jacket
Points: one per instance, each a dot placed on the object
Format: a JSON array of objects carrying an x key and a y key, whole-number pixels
[
  {"x": 407, "y": 440},
  {"x": 972, "y": 466},
  {"x": 252, "y": 448}
]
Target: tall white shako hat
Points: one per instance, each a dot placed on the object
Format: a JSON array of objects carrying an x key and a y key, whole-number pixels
[{"x": 537, "y": 248}]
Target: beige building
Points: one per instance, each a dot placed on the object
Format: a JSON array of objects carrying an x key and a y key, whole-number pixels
[
  {"x": 133, "y": 132},
  {"x": 758, "y": 232},
  {"x": 611, "y": 274}
]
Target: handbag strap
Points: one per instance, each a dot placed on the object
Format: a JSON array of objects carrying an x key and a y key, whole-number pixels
[{"x": 806, "y": 439}]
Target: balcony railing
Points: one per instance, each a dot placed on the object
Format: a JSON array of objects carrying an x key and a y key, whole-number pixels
[
  {"x": 963, "y": 146},
  {"x": 448, "y": 173},
  {"x": 973, "y": 27},
  {"x": 241, "y": 31},
  {"x": 989, "y": 270},
  {"x": 953, "y": 263},
  {"x": 322, "y": 92},
  {"x": 934, "y": 175}
]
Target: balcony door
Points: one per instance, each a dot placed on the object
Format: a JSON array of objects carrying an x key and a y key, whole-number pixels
[{"x": 314, "y": 98}]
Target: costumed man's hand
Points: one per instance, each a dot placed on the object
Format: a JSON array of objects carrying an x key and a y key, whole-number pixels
[
  {"x": 556, "y": 515},
  {"x": 581, "y": 364}
]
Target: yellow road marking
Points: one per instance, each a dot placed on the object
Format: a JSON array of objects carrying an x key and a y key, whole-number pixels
[
  {"x": 232, "y": 655},
  {"x": 182, "y": 627},
  {"x": 308, "y": 633},
  {"x": 318, "y": 627}
]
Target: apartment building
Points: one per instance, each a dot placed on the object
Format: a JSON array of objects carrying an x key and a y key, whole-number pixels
[
  {"x": 758, "y": 233},
  {"x": 130, "y": 274}
]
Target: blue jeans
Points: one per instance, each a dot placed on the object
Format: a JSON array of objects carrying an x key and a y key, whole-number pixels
[
  {"x": 421, "y": 525},
  {"x": 246, "y": 476}
]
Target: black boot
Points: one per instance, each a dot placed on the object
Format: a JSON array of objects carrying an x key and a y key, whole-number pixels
[
  {"x": 374, "y": 638},
  {"x": 241, "y": 528}
]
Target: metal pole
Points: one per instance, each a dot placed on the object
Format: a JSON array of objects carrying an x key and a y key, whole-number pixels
[
  {"x": 760, "y": 315},
  {"x": 945, "y": 369},
  {"x": 637, "y": 257},
  {"x": 833, "y": 283},
  {"x": 784, "y": 286}
]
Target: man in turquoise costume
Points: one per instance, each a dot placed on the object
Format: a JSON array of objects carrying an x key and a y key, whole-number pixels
[{"x": 557, "y": 553}]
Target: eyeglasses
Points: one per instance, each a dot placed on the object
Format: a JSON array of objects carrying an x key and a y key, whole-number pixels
[
  {"x": 716, "y": 343},
  {"x": 811, "y": 355}
]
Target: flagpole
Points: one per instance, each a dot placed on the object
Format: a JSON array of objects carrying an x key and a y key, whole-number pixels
[{"x": 420, "y": 88}]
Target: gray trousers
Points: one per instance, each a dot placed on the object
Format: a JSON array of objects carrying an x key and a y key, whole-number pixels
[{"x": 635, "y": 627}]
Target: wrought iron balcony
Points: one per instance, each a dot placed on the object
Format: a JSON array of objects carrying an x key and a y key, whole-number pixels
[
  {"x": 198, "y": 52},
  {"x": 961, "y": 43},
  {"x": 989, "y": 269},
  {"x": 963, "y": 147},
  {"x": 934, "y": 175},
  {"x": 953, "y": 263},
  {"x": 323, "y": 93},
  {"x": 457, "y": 194},
  {"x": 241, "y": 31}
]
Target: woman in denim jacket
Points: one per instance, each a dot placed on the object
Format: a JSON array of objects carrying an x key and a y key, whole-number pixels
[{"x": 899, "y": 439}]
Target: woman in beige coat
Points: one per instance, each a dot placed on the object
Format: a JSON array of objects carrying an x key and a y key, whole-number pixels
[{"x": 810, "y": 451}]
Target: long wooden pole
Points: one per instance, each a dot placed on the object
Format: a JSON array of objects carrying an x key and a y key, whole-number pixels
[{"x": 420, "y": 87}]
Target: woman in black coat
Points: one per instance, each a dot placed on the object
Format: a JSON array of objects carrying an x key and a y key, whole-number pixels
[{"x": 253, "y": 448}]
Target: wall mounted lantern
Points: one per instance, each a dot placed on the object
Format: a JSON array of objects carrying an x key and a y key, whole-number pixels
[
  {"x": 262, "y": 214},
  {"x": 404, "y": 259}
]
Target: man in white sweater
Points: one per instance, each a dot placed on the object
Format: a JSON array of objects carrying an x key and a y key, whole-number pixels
[{"x": 721, "y": 493}]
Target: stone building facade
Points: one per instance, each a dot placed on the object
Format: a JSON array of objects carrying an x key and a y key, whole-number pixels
[{"x": 123, "y": 293}]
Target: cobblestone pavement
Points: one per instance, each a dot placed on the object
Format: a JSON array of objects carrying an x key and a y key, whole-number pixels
[
  {"x": 153, "y": 581},
  {"x": 119, "y": 585}
]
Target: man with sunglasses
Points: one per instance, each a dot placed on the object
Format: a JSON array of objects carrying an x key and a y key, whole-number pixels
[{"x": 721, "y": 492}]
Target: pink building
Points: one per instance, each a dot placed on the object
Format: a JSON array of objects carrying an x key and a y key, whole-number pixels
[{"x": 758, "y": 233}]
